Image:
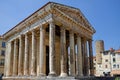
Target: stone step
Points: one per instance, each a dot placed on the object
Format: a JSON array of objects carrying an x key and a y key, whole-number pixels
[{"x": 49, "y": 78}]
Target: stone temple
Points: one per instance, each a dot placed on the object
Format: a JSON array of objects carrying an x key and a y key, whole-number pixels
[{"x": 55, "y": 41}]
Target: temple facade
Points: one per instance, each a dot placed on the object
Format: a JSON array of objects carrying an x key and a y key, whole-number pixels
[{"x": 56, "y": 40}]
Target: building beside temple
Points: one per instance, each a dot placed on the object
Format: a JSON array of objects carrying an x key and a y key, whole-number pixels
[
  {"x": 109, "y": 65},
  {"x": 46, "y": 43},
  {"x": 2, "y": 55},
  {"x": 94, "y": 64}
]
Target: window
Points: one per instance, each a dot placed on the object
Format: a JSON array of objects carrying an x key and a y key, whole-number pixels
[
  {"x": 105, "y": 53},
  {"x": 2, "y": 62},
  {"x": 106, "y": 66},
  {"x": 113, "y": 54},
  {"x": 2, "y": 53},
  {"x": 3, "y": 44},
  {"x": 118, "y": 66},
  {"x": 114, "y": 66},
  {"x": 114, "y": 60},
  {"x": 106, "y": 60}
]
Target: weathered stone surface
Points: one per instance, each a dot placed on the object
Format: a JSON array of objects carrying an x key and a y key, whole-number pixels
[
  {"x": 26, "y": 58},
  {"x": 47, "y": 51},
  {"x": 42, "y": 52},
  {"x": 52, "y": 49},
  {"x": 79, "y": 57},
  {"x": 21, "y": 54},
  {"x": 61, "y": 78},
  {"x": 63, "y": 53},
  {"x": 33, "y": 60},
  {"x": 72, "y": 54}
]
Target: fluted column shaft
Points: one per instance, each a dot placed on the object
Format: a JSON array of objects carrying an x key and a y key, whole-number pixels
[
  {"x": 33, "y": 61},
  {"x": 63, "y": 53},
  {"x": 91, "y": 58},
  {"x": 83, "y": 55},
  {"x": 20, "y": 61},
  {"x": 9, "y": 59},
  {"x": 15, "y": 61},
  {"x": 42, "y": 52},
  {"x": 79, "y": 56},
  {"x": 72, "y": 54},
  {"x": 85, "y": 58},
  {"x": 26, "y": 57},
  {"x": 52, "y": 49}
]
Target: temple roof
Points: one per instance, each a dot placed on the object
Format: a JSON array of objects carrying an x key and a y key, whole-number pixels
[{"x": 73, "y": 13}]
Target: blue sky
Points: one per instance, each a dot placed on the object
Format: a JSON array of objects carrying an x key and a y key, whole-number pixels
[{"x": 104, "y": 15}]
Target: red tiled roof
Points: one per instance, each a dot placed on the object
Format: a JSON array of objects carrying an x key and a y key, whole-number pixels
[{"x": 117, "y": 51}]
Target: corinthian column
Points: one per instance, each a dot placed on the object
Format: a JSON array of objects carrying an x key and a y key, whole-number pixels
[
  {"x": 91, "y": 58},
  {"x": 52, "y": 49},
  {"x": 85, "y": 58},
  {"x": 33, "y": 54},
  {"x": 9, "y": 58},
  {"x": 42, "y": 52},
  {"x": 15, "y": 61},
  {"x": 79, "y": 56},
  {"x": 63, "y": 53},
  {"x": 20, "y": 62},
  {"x": 72, "y": 54},
  {"x": 26, "y": 57}
]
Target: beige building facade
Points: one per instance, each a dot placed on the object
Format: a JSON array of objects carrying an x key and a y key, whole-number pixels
[
  {"x": 107, "y": 62},
  {"x": 47, "y": 42},
  {"x": 94, "y": 64},
  {"x": 2, "y": 54},
  {"x": 110, "y": 65}
]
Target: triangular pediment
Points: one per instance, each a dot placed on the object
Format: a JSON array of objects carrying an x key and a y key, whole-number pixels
[
  {"x": 74, "y": 13},
  {"x": 70, "y": 11}
]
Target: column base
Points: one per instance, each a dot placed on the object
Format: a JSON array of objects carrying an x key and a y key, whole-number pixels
[
  {"x": 52, "y": 74},
  {"x": 33, "y": 74},
  {"x": 26, "y": 74},
  {"x": 63, "y": 75},
  {"x": 20, "y": 74}
]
